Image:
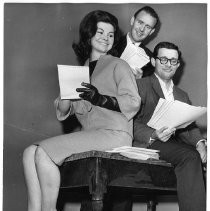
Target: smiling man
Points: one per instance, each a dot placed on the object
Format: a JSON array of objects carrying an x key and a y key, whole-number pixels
[
  {"x": 142, "y": 25},
  {"x": 186, "y": 148}
]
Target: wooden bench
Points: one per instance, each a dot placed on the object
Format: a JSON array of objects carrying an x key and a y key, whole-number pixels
[{"x": 100, "y": 173}]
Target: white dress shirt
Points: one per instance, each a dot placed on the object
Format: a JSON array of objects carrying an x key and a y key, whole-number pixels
[{"x": 167, "y": 89}]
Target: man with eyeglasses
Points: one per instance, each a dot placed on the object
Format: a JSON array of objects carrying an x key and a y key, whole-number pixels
[
  {"x": 143, "y": 24},
  {"x": 184, "y": 148}
]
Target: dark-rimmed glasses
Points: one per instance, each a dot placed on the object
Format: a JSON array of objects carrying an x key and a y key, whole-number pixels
[{"x": 164, "y": 60}]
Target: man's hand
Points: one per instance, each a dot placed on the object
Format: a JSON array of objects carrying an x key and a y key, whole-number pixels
[
  {"x": 201, "y": 148},
  {"x": 138, "y": 72},
  {"x": 163, "y": 134}
]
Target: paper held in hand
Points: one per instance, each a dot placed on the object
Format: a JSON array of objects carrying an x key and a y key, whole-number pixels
[
  {"x": 135, "y": 56},
  {"x": 174, "y": 114},
  {"x": 70, "y": 78}
]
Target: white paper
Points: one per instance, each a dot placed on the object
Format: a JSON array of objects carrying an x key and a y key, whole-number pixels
[
  {"x": 174, "y": 114},
  {"x": 70, "y": 78},
  {"x": 136, "y": 152},
  {"x": 135, "y": 56},
  {"x": 138, "y": 156},
  {"x": 132, "y": 149}
]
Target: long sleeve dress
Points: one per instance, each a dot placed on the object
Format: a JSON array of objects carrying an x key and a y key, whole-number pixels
[{"x": 102, "y": 129}]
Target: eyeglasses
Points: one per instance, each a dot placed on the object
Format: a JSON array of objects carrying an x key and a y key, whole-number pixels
[{"x": 164, "y": 60}]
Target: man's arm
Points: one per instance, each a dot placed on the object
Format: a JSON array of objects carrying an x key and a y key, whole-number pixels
[
  {"x": 147, "y": 135},
  {"x": 142, "y": 133},
  {"x": 191, "y": 134}
]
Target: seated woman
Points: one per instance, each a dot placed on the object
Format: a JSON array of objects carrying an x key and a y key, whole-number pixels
[{"x": 105, "y": 111}]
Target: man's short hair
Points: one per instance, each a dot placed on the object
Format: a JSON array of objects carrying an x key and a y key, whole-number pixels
[
  {"x": 150, "y": 11},
  {"x": 167, "y": 45}
]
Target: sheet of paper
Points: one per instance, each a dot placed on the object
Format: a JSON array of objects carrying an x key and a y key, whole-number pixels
[
  {"x": 139, "y": 156},
  {"x": 175, "y": 114},
  {"x": 160, "y": 109},
  {"x": 132, "y": 149},
  {"x": 136, "y": 152},
  {"x": 70, "y": 78},
  {"x": 135, "y": 56}
]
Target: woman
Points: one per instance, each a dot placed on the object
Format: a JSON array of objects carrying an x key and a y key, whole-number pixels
[{"x": 105, "y": 111}]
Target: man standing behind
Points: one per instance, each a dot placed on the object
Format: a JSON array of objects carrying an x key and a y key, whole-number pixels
[
  {"x": 184, "y": 148},
  {"x": 143, "y": 25}
]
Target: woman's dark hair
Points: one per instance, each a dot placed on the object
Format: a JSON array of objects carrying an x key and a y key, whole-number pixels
[
  {"x": 87, "y": 30},
  {"x": 167, "y": 45}
]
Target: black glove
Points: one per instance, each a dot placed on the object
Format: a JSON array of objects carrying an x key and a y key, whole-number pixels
[{"x": 91, "y": 94}]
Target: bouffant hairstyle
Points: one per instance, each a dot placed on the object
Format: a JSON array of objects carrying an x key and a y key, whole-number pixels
[{"x": 87, "y": 30}]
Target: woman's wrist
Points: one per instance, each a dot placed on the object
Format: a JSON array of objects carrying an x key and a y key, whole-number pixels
[{"x": 64, "y": 106}]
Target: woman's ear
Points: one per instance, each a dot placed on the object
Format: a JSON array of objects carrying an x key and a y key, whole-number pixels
[{"x": 153, "y": 61}]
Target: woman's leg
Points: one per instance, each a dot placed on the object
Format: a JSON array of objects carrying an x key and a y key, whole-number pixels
[
  {"x": 49, "y": 179},
  {"x": 31, "y": 178}
]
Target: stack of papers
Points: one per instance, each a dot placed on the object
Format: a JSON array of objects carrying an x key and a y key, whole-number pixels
[
  {"x": 70, "y": 78},
  {"x": 136, "y": 152},
  {"x": 135, "y": 56},
  {"x": 174, "y": 114}
]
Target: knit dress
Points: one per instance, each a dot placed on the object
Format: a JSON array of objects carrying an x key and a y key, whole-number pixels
[{"x": 102, "y": 129}]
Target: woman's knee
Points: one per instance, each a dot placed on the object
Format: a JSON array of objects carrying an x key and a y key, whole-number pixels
[
  {"x": 41, "y": 156},
  {"x": 29, "y": 153}
]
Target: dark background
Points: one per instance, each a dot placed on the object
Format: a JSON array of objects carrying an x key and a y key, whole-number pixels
[{"x": 37, "y": 37}]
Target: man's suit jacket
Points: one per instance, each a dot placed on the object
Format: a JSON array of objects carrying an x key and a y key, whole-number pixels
[
  {"x": 148, "y": 69},
  {"x": 150, "y": 92}
]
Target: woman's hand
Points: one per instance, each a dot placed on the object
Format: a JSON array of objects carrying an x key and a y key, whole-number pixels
[{"x": 90, "y": 93}]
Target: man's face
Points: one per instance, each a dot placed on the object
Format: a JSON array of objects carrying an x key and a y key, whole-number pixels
[
  {"x": 142, "y": 26},
  {"x": 166, "y": 71}
]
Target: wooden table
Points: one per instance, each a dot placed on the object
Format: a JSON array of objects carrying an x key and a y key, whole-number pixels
[{"x": 101, "y": 172}]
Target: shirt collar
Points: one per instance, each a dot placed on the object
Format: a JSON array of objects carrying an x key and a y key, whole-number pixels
[{"x": 163, "y": 84}]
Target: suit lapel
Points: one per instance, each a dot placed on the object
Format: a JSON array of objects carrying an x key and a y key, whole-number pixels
[
  {"x": 122, "y": 45},
  {"x": 158, "y": 90},
  {"x": 178, "y": 95},
  {"x": 156, "y": 87}
]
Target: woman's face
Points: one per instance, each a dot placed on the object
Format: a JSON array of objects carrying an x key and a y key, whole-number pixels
[{"x": 103, "y": 40}]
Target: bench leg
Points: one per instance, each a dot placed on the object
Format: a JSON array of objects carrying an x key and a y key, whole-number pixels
[
  {"x": 97, "y": 188},
  {"x": 94, "y": 205},
  {"x": 97, "y": 205},
  {"x": 151, "y": 205}
]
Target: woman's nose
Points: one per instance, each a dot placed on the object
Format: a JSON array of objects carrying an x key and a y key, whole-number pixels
[{"x": 105, "y": 37}]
